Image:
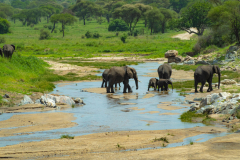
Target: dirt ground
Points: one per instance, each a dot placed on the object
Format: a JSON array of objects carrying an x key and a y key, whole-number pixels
[
  {"x": 29, "y": 123},
  {"x": 113, "y": 145},
  {"x": 185, "y": 36}
]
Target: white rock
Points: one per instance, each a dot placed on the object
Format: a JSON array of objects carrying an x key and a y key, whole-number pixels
[
  {"x": 171, "y": 53},
  {"x": 228, "y": 81}
]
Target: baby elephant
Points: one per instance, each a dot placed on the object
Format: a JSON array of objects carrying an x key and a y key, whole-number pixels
[
  {"x": 153, "y": 83},
  {"x": 163, "y": 84}
]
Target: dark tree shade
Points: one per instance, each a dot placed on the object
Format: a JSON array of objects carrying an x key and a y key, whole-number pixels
[{"x": 118, "y": 25}]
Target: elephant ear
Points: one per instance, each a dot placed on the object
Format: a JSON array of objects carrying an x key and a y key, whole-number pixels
[
  {"x": 129, "y": 72},
  {"x": 13, "y": 46}
]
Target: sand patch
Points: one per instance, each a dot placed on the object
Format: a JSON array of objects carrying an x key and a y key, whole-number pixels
[
  {"x": 177, "y": 75},
  {"x": 104, "y": 146},
  {"x": 199, "y": 139},
  {"x": 148, "y": 96},
  {"x": 185, "y": 36},
  {"x": 168, "y": 107},
  {"x": 35, "y": 122},
  {"x": 169, "y": 114},
  {"x": 137, "y": 109},
  {"x": 95, "y": 90},
  {"x": 150, "y": 112},
  {"x": 150, "y": 122},
  {"x": 127, "y": 103}
]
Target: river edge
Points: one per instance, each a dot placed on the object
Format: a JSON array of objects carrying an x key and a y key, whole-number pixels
[{"x": 93, "y": 154}]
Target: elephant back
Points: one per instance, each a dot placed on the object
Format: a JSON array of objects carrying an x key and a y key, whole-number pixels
[
  {"x": 164, "y": 71},
  {"x": 8, "y": 50}
]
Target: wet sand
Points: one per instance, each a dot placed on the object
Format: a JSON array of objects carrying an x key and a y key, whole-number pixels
[
  {"x": 169, "y": 114},
  {"x": 107, "y": 146},
  {"x": 23, "y": 124},
  {"x": 168, "y": 107}
]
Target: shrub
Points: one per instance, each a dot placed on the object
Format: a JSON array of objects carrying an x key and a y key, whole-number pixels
[
  {"x": 2, "y": 40},
  {"x": 55, "y": 31},
  {"x": 135, "y": 33},
  {"x": 3, "y": 15},
  {"x": 123, "y": 38},
  {"x": 45, "y": 26},
  {"x": 96, "y": 35},
  {"x": 50, "y": 27},
  {"x": 36, "y": 28},
  {"x": 83, "y": 36},
  {"x": 118, "y": 25},
  {"x": 4, "y": 26},
  {"x": 44, "y": 34},
  {"x": 88, "y": 34},
  {"x": 117, "y": 33},
  {"x": 32, "y": 25}
]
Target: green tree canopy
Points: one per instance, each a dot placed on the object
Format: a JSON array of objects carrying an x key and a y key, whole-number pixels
[
  {"x": 157, "y": 3},
  {"x": 153, "y": 17},
  {"x": 195, "y": 16},
  {"x": 118, "y": 25},
  {"x": 4, "y": 26},
  {"x": 177, "y": 5},
  {"x": 227, "y": 14},
  {"x": 167, "y": 16},
  {"x": 64, "y": 19},
  {"x": 84, "y": 9},
  {"x": 131, "y": 14}
]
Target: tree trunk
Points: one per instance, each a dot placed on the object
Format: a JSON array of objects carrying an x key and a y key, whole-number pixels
[
  {"x": 163, "y": 27},
  {"x": 108, "y": 19},
  {"x": 53, "y": 27},
  {"x": 151, "y": 30},
  {"x": 63, "y": 29},
  {"x": 145, "y": 23}
]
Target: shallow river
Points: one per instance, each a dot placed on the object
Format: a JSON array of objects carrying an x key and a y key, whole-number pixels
[{"x": 104, "y": 114}]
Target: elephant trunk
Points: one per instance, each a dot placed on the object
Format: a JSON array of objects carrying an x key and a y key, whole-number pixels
[
  {"x": 136, "y": 82},
  {"x": 219, "y": 79}
]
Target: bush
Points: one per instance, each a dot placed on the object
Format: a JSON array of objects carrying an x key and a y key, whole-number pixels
[
  {"x": 2, "y": 40},
  {"x": 44, "y": 34},
  {"x": 45, "y": 26},
  {"x": 88, "y": 34},
  {"x": 118, "y": 25},
  {"x": 32, "y": 25},
  {"x": 83, "y": 36},
  {"x": 4, "y": 26},
  {"x": 50, "y": 27},
  {"x": 135, "y": 33},
  {"x": 96, "y": 35},
  {"x": 123, "y": 38},
  {"x": 55, "y": 31},
  {"x": 36, "y": 28}
]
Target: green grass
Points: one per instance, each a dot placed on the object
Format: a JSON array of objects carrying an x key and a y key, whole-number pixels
[
  {"x": 164, "y": 139},
  {"x": 187, "y": 116},
  {"x": 207, "y": 120},
  {"x": 67, "y": 137},
  {"x": 27, "y": 41},
  {"x": 103, "y": 65}
]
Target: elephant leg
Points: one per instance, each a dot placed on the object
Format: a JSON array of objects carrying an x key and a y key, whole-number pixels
[
  {"x": 203, "y": 83},
  {"x": 115, "y": 85},
  {"x": 195, "y": 84},
  {"x": 112, "y": 91},
  {"x": 129, "y": 89},
  {"x": 124, "y": 87},
  {"x": 105, "y": 84},
  {"x": 162, "y": 88},
  {"x": 148, "y": 86},
  {"x": 110, "y": 86},
  {"x": 209, "y": 85},
  {"x": 102, "y": 84},
  {"x": 155, "y": 87},
  {"x": 119, "y": 84}
]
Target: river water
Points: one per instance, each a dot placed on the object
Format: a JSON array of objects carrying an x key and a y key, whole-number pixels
[{"x": 104, "y": 114}]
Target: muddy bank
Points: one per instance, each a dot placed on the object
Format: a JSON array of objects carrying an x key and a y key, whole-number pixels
[
  {"x": 106, "y": 145},
  {"x": 29, "y": 123}
]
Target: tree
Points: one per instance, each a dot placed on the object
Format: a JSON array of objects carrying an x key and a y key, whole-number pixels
[
  {"x": 4, "y": 26},
  {"x": 129, "y": 13},
  {"x": 29, "y": 16},
  {"x": 157, "y": 3},
  {"x": 153, "y": 17},
  {"x": 110, "y": 6},
  {"x": 84, "y": 9},
  {"x": 64, "y": 19},
  {"x": 6, "y": 9},
  {"x": 228, "y": 13},
  {"x": 177, "y": 5},
  {"x": 195, "y": 16},
  {"x": 50, "y": 9},
  {"x": 118, "y": 25},
  {"x": 167, "y": 16}
]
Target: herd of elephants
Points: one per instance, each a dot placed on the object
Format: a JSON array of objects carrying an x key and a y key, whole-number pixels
[{"x": 117, "y": 75}]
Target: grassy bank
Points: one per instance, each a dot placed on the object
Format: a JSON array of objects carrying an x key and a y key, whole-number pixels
[
  {"x": 27, "y": 74},
  {"x": 73, "y": 44}
]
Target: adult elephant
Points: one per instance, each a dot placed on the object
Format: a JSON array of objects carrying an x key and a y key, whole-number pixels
[
  {"x": 121, "y": 74},
  {"x": 1, "y": 52},
  {"x": 163, "y": 84},
  {"x": 205, "y": 73},
  {"x": 8, "y": 50},
  {"x": 104, "y": 76},
  {"x": 164, "y": 71}
]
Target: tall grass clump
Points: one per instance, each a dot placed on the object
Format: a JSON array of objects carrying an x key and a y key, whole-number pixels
[
  {"x": 44, "y": 34},
  {"x": 2, "y": 40}
]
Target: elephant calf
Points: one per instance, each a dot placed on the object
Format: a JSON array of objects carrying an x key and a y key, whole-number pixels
[
  {"x": 153, "y": 83},
  {"x": 163, "y": 84},
  {"x": 104, "y": 76}
]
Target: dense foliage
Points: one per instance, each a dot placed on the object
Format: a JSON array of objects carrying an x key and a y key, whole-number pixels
[
  {"x": 118, "y": 25},
  {"x": 4, "y": 26}
]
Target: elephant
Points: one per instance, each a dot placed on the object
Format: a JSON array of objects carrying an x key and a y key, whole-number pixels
[
  {"x": 164, "y": 83},
  {"x": 104, "y": 76},
  {"x": 164, "y": 71},
  {"x": 1, "y": 52},
  {"x": 121, "y": 74},
  {"x": 8, "y": 50},
  {"x": 153, "y": 83},
  {"x": 205, "y": 73}
]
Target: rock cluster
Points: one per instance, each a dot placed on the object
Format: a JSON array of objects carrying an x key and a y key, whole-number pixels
[
  {"x": 218, "y": 103},
  {"x": 52, "y": 100},
  {"x": 232, "y": 53},
  {"x": 228, "y": 82},
  {"x": 172, "y": 56}
]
